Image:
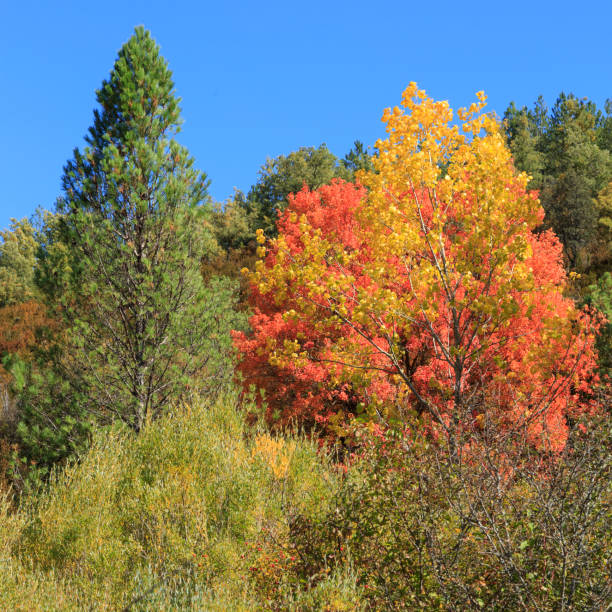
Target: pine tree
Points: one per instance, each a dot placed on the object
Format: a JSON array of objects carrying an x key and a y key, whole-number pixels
[
  {"x": 565, "y": 153},
  {"x": 142, "y": 327}
]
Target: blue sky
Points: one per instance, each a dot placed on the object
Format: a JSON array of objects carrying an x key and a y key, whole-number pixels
[{"x": 259, "y": 79}]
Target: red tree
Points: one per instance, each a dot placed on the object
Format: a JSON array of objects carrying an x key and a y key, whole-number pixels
[
  {"x": 299, "y": 391},
  {"x": 428, "y": 295}
]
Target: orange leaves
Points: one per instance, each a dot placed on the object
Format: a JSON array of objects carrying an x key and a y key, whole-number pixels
[
  {"x": 18, "y": 327},
  {"x": 284, "y": 353},
  {"x": 432, "y": 274}
]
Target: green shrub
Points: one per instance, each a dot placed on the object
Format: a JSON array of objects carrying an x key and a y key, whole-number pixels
[{"x": 163, "y": 520}]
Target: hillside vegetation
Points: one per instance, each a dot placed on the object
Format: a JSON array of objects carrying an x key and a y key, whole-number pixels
[
  {"x": 170, "y": 519},
  {"x": 380, "y": 382}
]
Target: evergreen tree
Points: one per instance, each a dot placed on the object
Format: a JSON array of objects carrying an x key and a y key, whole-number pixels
[
  {"x": 565, "y": 151},
  {"x": 288, "y": 174},
  {"x": 358, "y": 158},
  {"x": 142, "y": 326},
  {"x": 524, "y": 128},
  {"x": 571, "y": 212}
]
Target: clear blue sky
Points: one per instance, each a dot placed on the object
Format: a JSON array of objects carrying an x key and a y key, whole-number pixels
[{"x": 263, "y": 78}]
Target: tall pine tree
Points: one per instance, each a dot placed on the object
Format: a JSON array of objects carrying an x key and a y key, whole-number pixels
[{"x": 142, "y": 326}]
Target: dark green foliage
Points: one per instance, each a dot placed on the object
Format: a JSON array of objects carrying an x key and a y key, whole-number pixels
[
  {"x": 288, "y": 174},
  {"x": 358, "y": 158},
  {"x": 121, "y": 264},
  {"x": 52, "y": 424},
  {"x": 600, "y": 296},
  {"x": 572, "y": 213},
  {"x": 524, "y": 130},
  {"x": 603, "y": 251},
  {"x": 235, "y": 223},
  {"x": 604, "y": 137},
  {"x": 566, "y": 152}
]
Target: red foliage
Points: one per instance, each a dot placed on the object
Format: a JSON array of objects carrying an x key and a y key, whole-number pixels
[
  {"x": 523, "y": 371},
  {"x": 302, "y": 393}
]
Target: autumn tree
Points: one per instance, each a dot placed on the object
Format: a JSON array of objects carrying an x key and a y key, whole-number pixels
[
  {"x": 142, "y": 326},
  {"x": 19, "y": 312},
  {"x": 431, "y": 298},
  {"x": 299, "y": 390},
  {"x": 23, "y": 320}
]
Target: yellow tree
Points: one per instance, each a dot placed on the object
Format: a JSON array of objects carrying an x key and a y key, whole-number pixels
[{"x": 450, "y": 306}]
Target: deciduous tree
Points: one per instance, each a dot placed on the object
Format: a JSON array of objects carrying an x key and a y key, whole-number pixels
[
  {"x": 17, "y": 259},
  {"x": 288, "y": 174},
  {"x": 430, "y": 295}
]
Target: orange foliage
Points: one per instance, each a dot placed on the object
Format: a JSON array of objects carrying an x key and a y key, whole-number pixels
[
  {"x": 428, "y": 294},
  {"x": 18, "y": 326},
  {"x": 304, "y": 391}
]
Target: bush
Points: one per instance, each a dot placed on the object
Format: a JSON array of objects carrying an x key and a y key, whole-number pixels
[
  {"x": 490, "y": 528},
  {"x": 169, "y": 519}
]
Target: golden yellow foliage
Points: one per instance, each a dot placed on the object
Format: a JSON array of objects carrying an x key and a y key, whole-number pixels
[{"x": 276, "y": 453}]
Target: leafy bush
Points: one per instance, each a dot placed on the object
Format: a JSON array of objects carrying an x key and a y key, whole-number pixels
[
  {"x": 163, "y": 520},
  {"x": 424, "y": 528}
]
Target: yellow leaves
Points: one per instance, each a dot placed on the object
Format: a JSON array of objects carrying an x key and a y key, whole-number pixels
[
  {"x": 276, "y": 454},
  {"x": 290, "y": 314},
  {"x": 444, "y": 209}
]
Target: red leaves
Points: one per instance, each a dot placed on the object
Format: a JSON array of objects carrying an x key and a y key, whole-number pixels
[
  {"x": 531, "y": 366},
  {"x": 300, "y": 392}
]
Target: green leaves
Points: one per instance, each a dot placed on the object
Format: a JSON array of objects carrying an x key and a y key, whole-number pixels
[
  {"x": 18, "y": 248},
  {"x": 287, "y": 174}
]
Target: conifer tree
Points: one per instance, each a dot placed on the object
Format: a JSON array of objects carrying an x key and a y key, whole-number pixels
[
  {"x": 565, "y": 153},
  {"x": 287, "y": 174},
  {"x": 133, "y": 227}
]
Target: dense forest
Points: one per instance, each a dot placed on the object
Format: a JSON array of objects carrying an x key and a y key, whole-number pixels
[{"x": 371, "y": 382}]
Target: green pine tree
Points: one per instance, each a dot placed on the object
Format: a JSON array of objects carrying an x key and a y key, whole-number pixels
[
  {"x": 524, "y": 129},
  {"x": 358, "y": 158},
  {"x": 287, "y": 174},
  {"x": 142, "y": 327},
  {"x": 564, "y": 152}
]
